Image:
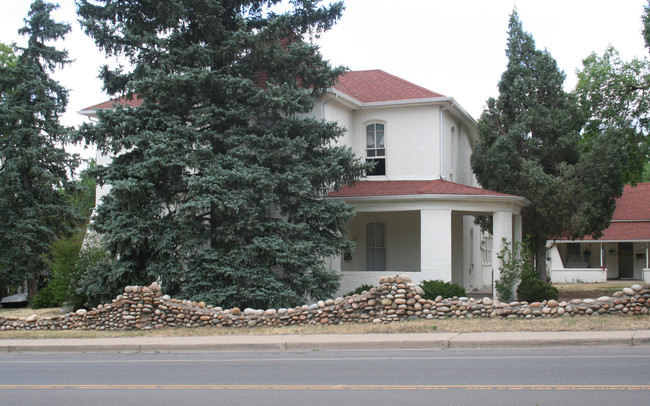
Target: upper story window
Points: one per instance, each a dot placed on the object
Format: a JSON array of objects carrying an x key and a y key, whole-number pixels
[{"x": 376, "y": 148}]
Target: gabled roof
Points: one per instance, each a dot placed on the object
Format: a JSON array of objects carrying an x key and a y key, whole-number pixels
[
  {"x": 411, "y": 187},
  {"x": 366, "y": 86},
  {"x": 631, "y": 219},
  {"x": 369, "y": 86},
  {"x": 634, "y": 204}
]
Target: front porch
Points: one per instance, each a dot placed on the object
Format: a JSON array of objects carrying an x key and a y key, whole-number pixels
[
  {"x": 598, "y": 261},
  {"x": 428, "y": 237}
]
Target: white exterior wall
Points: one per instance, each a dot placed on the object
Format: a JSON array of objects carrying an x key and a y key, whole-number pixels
[
  {"x": 402, "y": 241},
  {"x": 101, "y": 191},
  {"x": 334, "y": 111},
  {"x": 466, "y": 146},
  {"x": 411, "y": 141}
]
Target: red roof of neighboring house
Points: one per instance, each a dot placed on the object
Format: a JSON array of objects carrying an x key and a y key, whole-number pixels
[
  {"x": 376, "y": 85},
  {"x": 411, "y": 187},
  {"x": 634, "y": 204},
  {"x": 365, "y": 85},
  {"x": 631, "y": 219},
  {"x": 626, "y": 231}
]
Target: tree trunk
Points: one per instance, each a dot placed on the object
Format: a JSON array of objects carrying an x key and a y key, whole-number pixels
[
  {"x": 32, "y": 288},
  {"x": 540, "y": 258}
]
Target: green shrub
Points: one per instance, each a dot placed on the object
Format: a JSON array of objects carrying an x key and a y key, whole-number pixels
[
  {"x": 433, "y": 289},
  {"x": 45, "y": 298},
  {"x": 516, "y": 266},
  {"x": 535, "y": 290},
  {"x": 365, "y": 287}
]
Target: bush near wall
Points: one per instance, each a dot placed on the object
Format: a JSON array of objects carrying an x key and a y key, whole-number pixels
[
  {"x": 395, "y": 299},
  {"x": 435, "y": 288}
]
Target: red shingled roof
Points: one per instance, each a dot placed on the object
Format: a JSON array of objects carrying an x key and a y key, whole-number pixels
[
  {"x": 631, "y": 220},
  {"x": 634, "y": 204},
  {"x": 411, "y": 187},
  {"x": 366, "y": 86},
  {"x": 376, "y": 85},
  {"x": 123, "y": 101},
  {"x": 626, "y": 231}
]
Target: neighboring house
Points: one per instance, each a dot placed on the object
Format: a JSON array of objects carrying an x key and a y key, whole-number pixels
[
  {"x": 415, "y": 211},
  {"x": 622, "y": 251}
]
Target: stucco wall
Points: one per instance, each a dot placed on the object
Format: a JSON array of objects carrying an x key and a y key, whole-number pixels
[
  {"x": 411, "y": 140},
  {"x": 402, "y": 241}
]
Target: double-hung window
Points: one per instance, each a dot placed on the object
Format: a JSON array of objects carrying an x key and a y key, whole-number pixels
[{"x": 376, "y": 148}]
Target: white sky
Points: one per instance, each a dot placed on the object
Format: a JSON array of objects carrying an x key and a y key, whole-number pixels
[{"x": 454, "y": 47}]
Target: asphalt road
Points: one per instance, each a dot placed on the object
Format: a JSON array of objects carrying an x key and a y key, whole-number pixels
[{"x": 549, "y": 376}]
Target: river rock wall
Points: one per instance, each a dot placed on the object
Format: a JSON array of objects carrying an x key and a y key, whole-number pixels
[{"x": 395, "y": 299}]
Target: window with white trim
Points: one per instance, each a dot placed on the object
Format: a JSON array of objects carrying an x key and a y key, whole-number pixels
[
  {"x": 375, "y": 247},
  {"x": 376, "y": 148},
  {"x": 486, "y": 249}
]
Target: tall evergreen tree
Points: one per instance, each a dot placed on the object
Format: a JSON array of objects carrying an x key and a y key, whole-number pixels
[
  {"x": 219, "y": 175},
  {"x": 531, "y": 146},
  {"x": 34, "y": 167}
]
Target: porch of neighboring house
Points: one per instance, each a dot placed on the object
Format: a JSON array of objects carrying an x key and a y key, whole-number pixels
[
  {"x": 599, "y": 261},
  {"x": 428, "y": 237}
]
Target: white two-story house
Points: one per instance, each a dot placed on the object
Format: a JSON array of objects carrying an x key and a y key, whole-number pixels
[{"x": 415, "y": 212}]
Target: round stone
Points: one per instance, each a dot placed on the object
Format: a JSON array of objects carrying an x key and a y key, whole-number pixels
[
  {"x": 487, "y": 301},
  {"x": 405, "y": 278},
  {"x": 249, "y": 312},
  {"x": 552, "y": 303},
  {"x": 636, "y": 287},
  {"x": 629, "y": 291}
]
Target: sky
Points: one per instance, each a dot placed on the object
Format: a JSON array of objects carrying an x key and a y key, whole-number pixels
[{"x": 456, "y": 48}]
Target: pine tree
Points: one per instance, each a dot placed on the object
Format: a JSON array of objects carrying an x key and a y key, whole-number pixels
[
  {"x": 34, "y": 166},
  {"x": 531, "y": 147},
  {"x": 219, "y": 176}
]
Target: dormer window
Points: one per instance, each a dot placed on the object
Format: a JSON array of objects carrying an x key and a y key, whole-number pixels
[{"x": 376, "y": 149}]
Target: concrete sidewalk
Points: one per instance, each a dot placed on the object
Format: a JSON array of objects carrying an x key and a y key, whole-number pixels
[{"x": 328, "y": 342}]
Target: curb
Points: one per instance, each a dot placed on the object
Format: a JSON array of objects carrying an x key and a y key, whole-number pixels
[{"x": 321, "y": 342}]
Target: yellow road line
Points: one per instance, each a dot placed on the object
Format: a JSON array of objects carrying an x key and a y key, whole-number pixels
[{"x": 339, "y": 387}]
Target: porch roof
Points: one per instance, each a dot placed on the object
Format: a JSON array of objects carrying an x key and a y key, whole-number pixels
[
  {"x": 621, "y": 231},
  {"x": 371, "y": 188}
]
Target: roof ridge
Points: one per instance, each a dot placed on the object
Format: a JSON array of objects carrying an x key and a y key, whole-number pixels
[{"x": 410, "y": 83}]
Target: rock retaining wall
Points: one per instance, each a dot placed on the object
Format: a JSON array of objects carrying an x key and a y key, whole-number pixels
[{"x": 395, "y": 299}]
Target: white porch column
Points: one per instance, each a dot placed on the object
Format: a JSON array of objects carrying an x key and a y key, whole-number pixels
[
  {"x": 517, "y": 228},
  {"x": 501, "y": 229},
  {"x": 602, "y": 255},
  {"x": 435, "y": 244}
]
